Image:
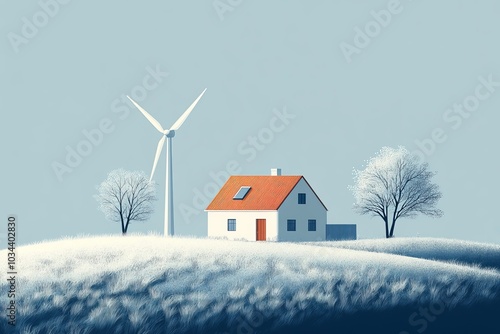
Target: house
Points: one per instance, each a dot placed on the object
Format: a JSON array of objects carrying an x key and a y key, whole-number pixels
[{"x": 267, "y": 208}]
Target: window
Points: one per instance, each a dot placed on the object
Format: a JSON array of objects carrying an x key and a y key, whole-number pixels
[
  {"x": 231, "y": 224},
  {"x": 291, "y": 225},
  {"x": 302, "y": 198},
  {"x": 311, "y": 225},
  {"x": 242, "y": 193}
]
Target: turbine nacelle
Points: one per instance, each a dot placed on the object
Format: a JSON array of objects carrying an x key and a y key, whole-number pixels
[{"x": 169, "y": 133}]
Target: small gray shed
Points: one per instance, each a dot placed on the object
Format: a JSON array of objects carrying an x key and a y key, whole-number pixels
[{"x": 341, "y": 232}]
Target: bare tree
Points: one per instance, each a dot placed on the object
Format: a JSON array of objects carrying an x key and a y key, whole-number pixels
[
  {"x": 394, "y": 185},
  {"x": 126, "y": 196}
]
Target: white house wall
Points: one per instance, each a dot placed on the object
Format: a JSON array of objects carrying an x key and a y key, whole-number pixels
[
  {"x": 246, "y": 224},
  {"x": 313, "y": 209}
]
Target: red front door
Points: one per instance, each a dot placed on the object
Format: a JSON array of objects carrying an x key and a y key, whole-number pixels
[{"x": 261, "y": 230}]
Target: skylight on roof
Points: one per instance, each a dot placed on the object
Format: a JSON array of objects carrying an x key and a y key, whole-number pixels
[{"x": 242, "y": 193}]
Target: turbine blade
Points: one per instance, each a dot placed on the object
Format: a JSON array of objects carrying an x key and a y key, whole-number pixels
[
  {"x": 157, "y": 156},
  {"x": 153, "y": 121},
  {"x": 185, "y": 115}
]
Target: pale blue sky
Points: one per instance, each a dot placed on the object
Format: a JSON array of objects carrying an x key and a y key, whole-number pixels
[{"x": 257, "y": 58}]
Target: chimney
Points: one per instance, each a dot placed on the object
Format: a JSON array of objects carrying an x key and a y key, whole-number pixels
[{"x": 276, "y": 172}]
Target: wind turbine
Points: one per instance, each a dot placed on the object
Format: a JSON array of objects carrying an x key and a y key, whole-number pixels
[{"x": 169, "y": 135}]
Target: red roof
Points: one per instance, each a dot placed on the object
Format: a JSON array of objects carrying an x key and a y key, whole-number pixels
[{"x": 266, "y": 193}]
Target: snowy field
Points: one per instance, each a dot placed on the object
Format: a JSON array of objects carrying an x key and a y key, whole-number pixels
[
  {"x": 465, "y": 252},
  {"x": 152, "y": 284}
]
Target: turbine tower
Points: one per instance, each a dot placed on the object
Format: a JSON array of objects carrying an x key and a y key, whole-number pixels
[{"x": 168, "y": 135}]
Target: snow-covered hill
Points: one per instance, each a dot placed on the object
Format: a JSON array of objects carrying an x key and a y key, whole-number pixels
[
  {"x": 152, "y": 284},
  {"x": 465, "y": 252}
]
